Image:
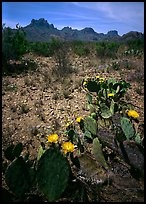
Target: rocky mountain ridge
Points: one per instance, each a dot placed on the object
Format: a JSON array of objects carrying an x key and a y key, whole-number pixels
[{"x": 41, "y": 30}]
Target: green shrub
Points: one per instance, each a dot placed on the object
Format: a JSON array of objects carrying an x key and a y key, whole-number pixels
[
  {"x": 107, "y": 49},
  {"x": 14, "y": 44},
  {"x": 61, "y": 55},
  {"x": 40, "y": 48},
  {"x": 136, "y": 44},
  {"x": 80, "y": 48}
]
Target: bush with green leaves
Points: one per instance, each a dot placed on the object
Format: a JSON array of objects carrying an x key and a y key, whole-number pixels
[
  {"x": 80, "y": 48},
  {"x": 61, "y": 55},
  {"x": 14, "y": 44},
  {"x": 107, "y": 49},
  {"x": 40, "y": 48},
  {"x": 46, "y": 49},
  {"x": 137, "y": 44},
  {"x": 24, "y": 66}
]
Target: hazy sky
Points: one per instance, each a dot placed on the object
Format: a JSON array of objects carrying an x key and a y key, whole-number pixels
[{"x": 101, "y": 16}]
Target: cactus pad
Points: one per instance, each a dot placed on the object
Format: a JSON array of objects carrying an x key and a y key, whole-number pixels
[
  {"x": 90, "y": 124},
  {"x": 127, "y": 127},
  {"x": 97, "y": 151},
  {"x": 17, "y": 177},
  {"x": 52, "y": 174},
  {"x": 105, "y": 111}
]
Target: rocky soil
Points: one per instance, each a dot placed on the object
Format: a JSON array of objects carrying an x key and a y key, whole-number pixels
[{"x": 37, "y": 104}]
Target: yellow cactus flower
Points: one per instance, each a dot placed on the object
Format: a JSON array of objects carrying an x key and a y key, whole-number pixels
[
  {"x": 97, "y": 77},
  {"x": 68, "y": 124},
  {"x": 79, "y": 119},
  {"x": 101, "y": 79},
  {"x": 53, "y": 138},
  {"x": 111, "y": 94},
  {"x": 133, "y": 114},
  {"x": 68, "y": 147},
  {"x": 84, "y": 83}
]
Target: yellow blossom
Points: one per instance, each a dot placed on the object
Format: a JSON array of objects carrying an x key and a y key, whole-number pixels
[
  {"x": 84, "y": 83},
  {"x": 53, "y": 138},
  {"x": 79, "y": 119},
  {"x": 133, "y": 114},
  {"x": 97, "y": 77},
  {"x": 101, "y": 79},
  {"x": 68, "y": 147},
  {"x": 68, "y": 124},
  {"x": 111, "y": 94}
]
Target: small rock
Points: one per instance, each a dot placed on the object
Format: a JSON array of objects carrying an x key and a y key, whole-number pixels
[
  {"x": 33, "y": 88},
  {"x": 107, "y": 138},
  {"x": 135, "y": 156},
  {"x": 92, "y": 170}
]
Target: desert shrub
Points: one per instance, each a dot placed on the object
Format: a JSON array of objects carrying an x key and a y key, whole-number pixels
[
  {"x": 136, "y": 44},
  {"x": 80, "y": 48},
  {"x": 61, "y": 55},
  {"x": 16, "y": 68},
  {"x": 100, "y": 49},
  {"x": 14, "y": 44},
  {"x": 45, "y": 49},
  {"x": 40, "y": 48},
  {"x": 107, "y": 49}
]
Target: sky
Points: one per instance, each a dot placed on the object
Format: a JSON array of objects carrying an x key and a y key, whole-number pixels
[{"x": 101, "y": 16}]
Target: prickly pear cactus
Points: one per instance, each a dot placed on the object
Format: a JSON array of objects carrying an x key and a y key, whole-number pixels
[
  {"x": 89, "y": 98},
  {"x": 105, "y": 111},
  {"x": 138, "y": 138},
  {"x": 91, "y": 108},
  {"x": 112, "y": 106},
  {"x": 52, "y": 174},
  {"x": 97, "y": 151},
  {"x": 13, "y": 151},
  {"x": 127, "y": 127},
  {"x": 9, "y": 152},
  {"x": 17, "y": 177},
  {"x": 18, "y": 149},
  {"x": 88, "y": 134},
  {"x": 94, "y": 115},
  {"x": 111, "y": 81},
  {"x": 90, "y": 124},
  {"x": 92, "y": 86},
  {"x": 40, "y": 152}
]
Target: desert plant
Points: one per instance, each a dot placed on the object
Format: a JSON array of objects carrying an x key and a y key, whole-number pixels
[
  {"x": 14, "y": 43},
  {"x": 24, "y": 108},
  {"x": 52, "y": 174},
  {"x": 80, "y": 48},
  {"x": 107, "y": 49}
]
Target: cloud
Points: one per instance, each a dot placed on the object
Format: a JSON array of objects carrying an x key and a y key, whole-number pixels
[{"x": 115, "y": 10}]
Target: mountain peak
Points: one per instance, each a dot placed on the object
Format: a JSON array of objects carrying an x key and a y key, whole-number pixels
[
  {"x": 112, "y": 33},
  {"x": 41, "y": 22},
  {"x": 88, "y": 30}
]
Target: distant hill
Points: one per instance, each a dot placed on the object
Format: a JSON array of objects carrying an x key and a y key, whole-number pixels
[{"x": 41, "y": 30}]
